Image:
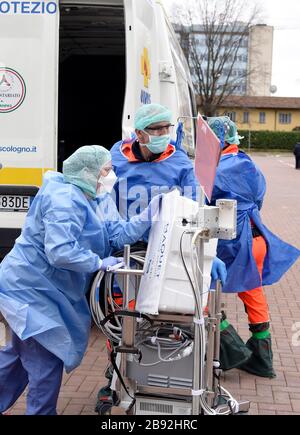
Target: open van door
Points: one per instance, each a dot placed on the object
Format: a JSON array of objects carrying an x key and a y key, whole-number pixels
[
  {"x": 28, "y": 107},
  {"x": 142, "y": 85},
  {"x": 156, "y": 68}
]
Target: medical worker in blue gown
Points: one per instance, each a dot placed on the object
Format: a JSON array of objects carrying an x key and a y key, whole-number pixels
[
  {"x": 150, "y": 162},
  {"x": 69, "y": 233},
  {"x": 255, "y": 258},
  {"x": 147, "y": 164}
]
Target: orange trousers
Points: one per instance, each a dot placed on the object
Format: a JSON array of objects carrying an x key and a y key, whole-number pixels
[{"x": 255, "y": 300}]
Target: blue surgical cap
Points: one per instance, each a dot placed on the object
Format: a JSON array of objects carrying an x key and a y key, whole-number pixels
[
  {"x": 150, "y": 114},
  {"x": 82, "y": 167},
  {"x": 225, "y": 129}
]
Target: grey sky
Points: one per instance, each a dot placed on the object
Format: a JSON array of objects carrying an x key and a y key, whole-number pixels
[{"x": 285, "y": 17}]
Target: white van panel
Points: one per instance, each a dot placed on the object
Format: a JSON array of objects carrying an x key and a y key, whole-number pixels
[
  {"x": 29, "y": 50},
  {"x": 157, "y": 70},
  {"x": 98, "y": 50},
  {"x": 141, "y": 58}
]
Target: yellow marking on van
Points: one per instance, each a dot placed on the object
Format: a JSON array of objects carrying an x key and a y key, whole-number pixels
[
  {"x": 146, "y": 67},
  {"x": 22, "y": 176}
]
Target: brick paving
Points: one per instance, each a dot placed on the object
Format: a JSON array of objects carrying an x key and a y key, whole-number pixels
[{"x": 281, "y": 213}]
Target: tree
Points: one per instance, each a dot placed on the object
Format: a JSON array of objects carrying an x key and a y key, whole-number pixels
[{"x": 213, "y": 35}]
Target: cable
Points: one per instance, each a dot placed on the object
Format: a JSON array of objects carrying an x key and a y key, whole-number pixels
[
  {"x": 163, "y": 339},
  {"x": 113, "y": 331},
  {"x": 168, "y": 347},
  {"x": 188, "y": 275}
]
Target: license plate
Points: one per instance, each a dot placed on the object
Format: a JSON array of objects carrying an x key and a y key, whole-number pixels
[{"x": 14, "y": 202}]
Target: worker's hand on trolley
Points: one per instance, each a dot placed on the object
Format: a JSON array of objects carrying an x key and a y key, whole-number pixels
[
  {"x": 109, "y": 262},
  {"x": 218, "y": 270}
]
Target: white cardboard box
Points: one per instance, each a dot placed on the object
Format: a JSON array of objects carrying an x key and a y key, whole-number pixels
[{"x": 165, "y": 286}]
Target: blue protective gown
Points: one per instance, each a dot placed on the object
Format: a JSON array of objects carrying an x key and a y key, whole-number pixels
[
  {"x": 151, "y": 177},
  {"x": 43, "y": 280},
  {"x": 239, "y": 178},
  {"x": 24, "y": 362}
]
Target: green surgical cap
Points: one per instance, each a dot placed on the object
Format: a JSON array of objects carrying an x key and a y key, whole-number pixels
[
  {"x": 150, "y": 114},
  {"x": 221, "y": 125},
  {"x": 82, "y": 167}
]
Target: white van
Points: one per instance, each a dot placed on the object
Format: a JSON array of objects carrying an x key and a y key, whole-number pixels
[{"x": 73, "y": 73}]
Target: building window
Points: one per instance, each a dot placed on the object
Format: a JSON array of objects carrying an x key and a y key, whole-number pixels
[
  {"x": 231, "y": 115},
  {"x": 246, "y": 118},
  {"x": 285, "y": 118},
  {"x": 262, "y": 117}
]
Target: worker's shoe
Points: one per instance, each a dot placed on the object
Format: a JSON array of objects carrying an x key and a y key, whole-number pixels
[
  {"x": 233, "y": 351},
  {"x": 106, "y": 399},
  {"x": 109, "y": 373},
  {"x": 261, "y": 361}
]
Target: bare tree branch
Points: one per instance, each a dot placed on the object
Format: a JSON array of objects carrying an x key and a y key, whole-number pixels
[{"x": 222, "y": 27}]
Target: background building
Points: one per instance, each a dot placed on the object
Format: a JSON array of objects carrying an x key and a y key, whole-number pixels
[
  {"x": 260, "y": 57},
  {"x": 252, "y": 69},
  {"x": 263, "y": 113}
]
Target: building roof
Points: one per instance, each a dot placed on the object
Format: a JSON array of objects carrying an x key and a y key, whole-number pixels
[{"x": 262, "y": 102}]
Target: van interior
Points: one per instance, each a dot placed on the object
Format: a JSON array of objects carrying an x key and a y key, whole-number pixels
[{"x": 91, "y": 77}]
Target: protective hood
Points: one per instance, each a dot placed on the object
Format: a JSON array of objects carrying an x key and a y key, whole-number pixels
[
  {"x": 151, "y": 114},
  {"x": 82, "y": 168}
]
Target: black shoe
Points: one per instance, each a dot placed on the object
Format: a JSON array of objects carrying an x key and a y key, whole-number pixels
[
  {"x": 106, "y": 399},
  {"x": 233, "y": 351},
  {"x": 261, "y": 361},
  {"x": 109, "y": 372}
]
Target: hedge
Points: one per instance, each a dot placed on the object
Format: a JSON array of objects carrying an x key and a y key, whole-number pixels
[{"x": 284, "y": 140}]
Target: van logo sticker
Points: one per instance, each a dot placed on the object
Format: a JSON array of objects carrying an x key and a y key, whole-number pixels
[
  {"x": 12, "y": 90},
  {"x": 146, "y": 67},
  {"x": 145, "y": 97}
]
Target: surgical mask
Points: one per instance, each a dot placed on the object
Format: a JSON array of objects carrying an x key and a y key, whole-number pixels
[
  {"x": 157, "y": 144},
  {"x": 107, "y": 183}
]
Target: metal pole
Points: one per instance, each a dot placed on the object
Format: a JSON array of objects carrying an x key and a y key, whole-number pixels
[
  {"x": 218, "y": 317},
  {"x": 127, "y": 272},
  {"x": 128, "y": 328},
  {"x": 249, "y": 140},
  {"x": 126, "y": 277},
  {"x": 217, "y": 334},
  {"x": 198, "y": 352},
  {"x": 211, "y": 345}
]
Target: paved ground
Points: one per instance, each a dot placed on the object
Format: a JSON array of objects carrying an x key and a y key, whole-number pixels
[{"x": 281, "y": 213}]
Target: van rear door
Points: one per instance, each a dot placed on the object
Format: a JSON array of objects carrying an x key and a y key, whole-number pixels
[
  {"x": 28, "y": 105},
  {"x": 142, "y": 77},
  {"x": 157, "y": 71}
]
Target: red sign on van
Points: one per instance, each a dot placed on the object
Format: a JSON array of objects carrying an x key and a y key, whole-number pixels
[{"x": 208, "y": 152}]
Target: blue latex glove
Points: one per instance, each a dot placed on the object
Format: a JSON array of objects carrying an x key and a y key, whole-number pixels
[
  {"x": 218, "y": 270},
  {"x": 151, "y": 211},
  {"x": 110, "y": 261},
  {"x": 179, "y": 135}
]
